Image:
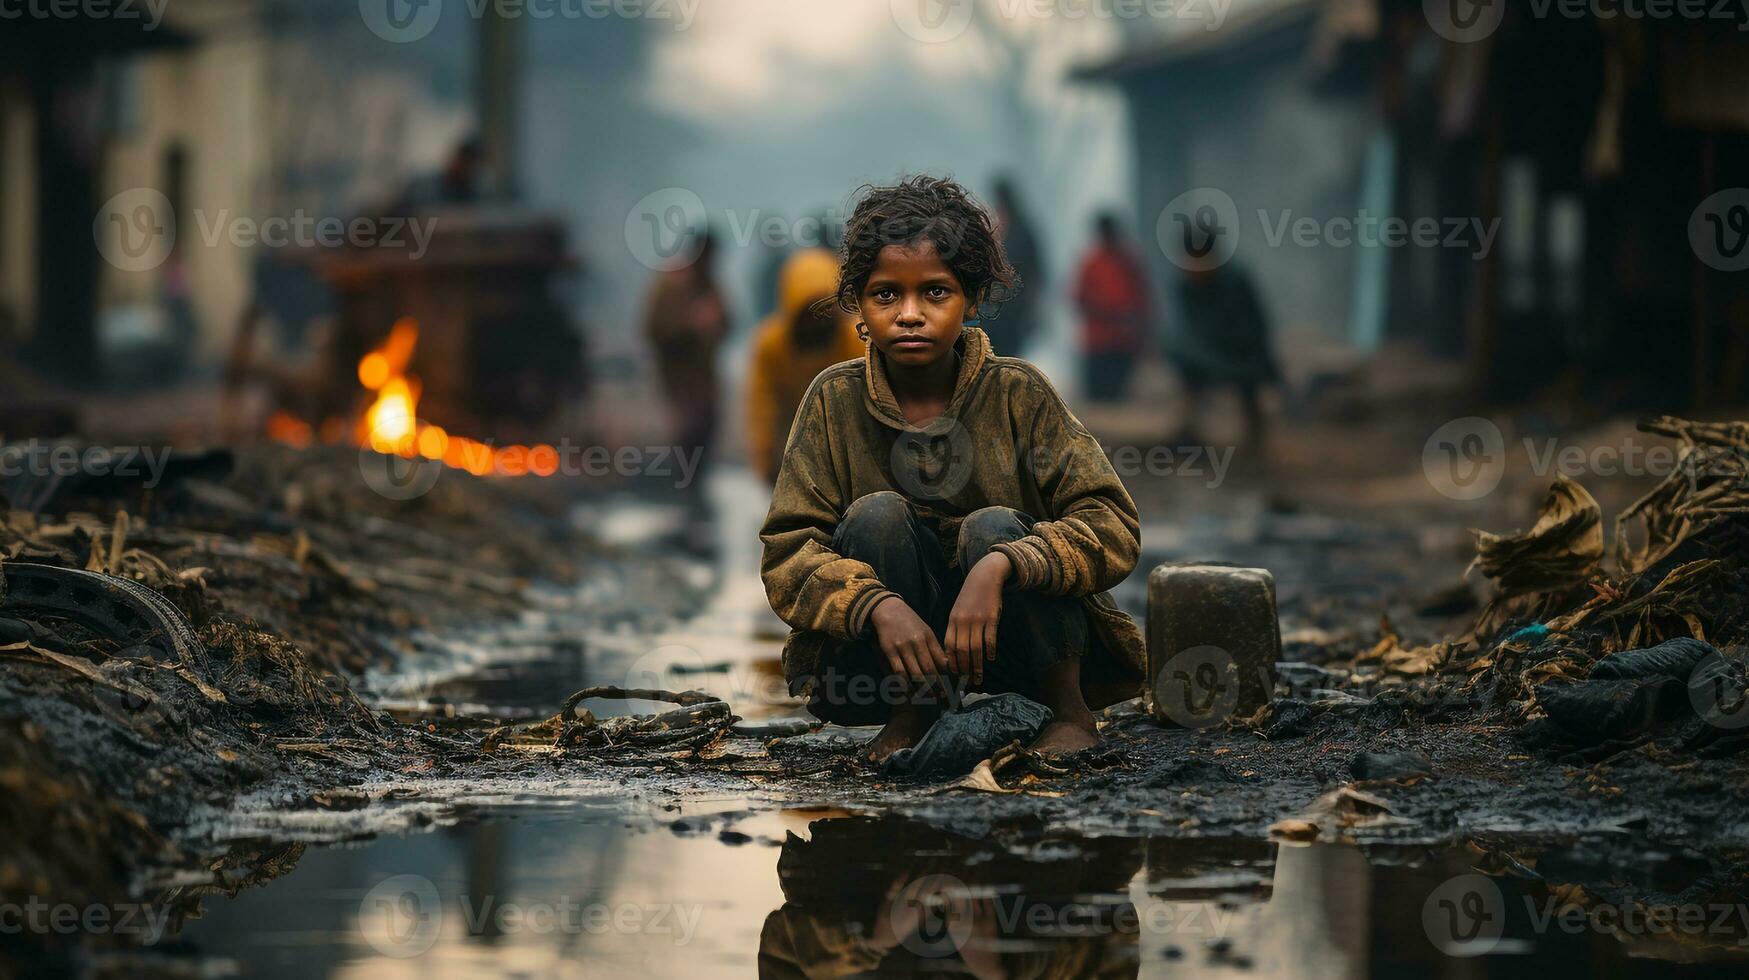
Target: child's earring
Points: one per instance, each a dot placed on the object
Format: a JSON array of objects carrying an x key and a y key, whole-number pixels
[{"x": 862, "y": 331}]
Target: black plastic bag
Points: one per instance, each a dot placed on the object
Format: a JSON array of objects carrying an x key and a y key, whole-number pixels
[
  {"x": 1672, "y": 658},
  {"x": 959, "y": 740}
]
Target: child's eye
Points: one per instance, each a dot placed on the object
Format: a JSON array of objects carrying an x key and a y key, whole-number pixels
[
  {"x": 885, "y": 294},
  {"x": 938, "y": 292}
]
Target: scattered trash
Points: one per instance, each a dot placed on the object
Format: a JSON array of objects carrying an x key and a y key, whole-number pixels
[
  {"x": 1560, "y": 551},
  {"x": 1331, "y": 814}
]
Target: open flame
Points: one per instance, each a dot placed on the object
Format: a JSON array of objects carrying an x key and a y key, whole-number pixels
[{"x": 391, "y": 424}]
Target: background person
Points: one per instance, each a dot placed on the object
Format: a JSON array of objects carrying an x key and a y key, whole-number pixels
[
  {"x": 1111, "y": 294},
  {"x": 1224, "y": 343},
  {"x": 685, "y": 321},
  {"x": 807, "y": 334}
]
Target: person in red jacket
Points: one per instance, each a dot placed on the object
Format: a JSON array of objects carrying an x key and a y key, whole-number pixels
[{"x": 1112, "y": 294}]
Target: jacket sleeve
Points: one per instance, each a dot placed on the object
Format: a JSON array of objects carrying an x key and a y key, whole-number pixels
[
  {"x": 810, "y": 586},
  {"x": 1093, "y": 539}
]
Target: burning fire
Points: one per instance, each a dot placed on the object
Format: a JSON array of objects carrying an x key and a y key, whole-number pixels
[{"x": 391, "y": 424}]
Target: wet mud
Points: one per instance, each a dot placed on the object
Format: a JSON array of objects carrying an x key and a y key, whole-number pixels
[{"x": 1407, "y": 732}]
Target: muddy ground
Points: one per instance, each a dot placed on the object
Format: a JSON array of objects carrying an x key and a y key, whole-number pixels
[{"x": 129, "y": 773}]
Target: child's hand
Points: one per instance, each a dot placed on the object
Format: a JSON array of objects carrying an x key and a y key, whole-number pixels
[
  {"x": 907, "y": 641},
  {"x": 971, "y": 627}
]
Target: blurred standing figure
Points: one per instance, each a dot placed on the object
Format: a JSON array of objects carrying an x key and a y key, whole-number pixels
[
  {"x": 806, "y": 335},
  {"x": 1112, "y": 296},
  {"x": 1016, "y": 317},
  {"x": 1225, "y": 341},
  {"x": 686, "y": 319}
]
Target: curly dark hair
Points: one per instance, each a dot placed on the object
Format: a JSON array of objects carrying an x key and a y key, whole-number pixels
[{"x": 933, "y": 209}]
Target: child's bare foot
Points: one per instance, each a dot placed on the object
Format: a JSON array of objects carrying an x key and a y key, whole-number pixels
[
  {"x": 1073, "y": 727},
  {"x": 903, "y": 731},
  {"x": 1062, "y": 738}
]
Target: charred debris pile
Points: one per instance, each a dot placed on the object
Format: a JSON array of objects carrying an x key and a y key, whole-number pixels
[
  {"x": 167, "y": 648},
  {"x": 1587, "y": 650}
]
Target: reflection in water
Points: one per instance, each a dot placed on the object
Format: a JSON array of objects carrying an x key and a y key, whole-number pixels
[
  {"x": 889, "y": 898},
  {"x": 723, "y": 888}
]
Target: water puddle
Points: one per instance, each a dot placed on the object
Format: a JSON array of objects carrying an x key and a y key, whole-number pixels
[{"x": 713, "y": 888}]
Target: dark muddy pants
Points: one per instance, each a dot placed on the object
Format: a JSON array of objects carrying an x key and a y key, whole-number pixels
[{"x": 906, "y": 551}]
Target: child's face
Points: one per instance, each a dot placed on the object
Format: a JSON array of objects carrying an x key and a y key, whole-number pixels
[{"x": 913, "y": 305}]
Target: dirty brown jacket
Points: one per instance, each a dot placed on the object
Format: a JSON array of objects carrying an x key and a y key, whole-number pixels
[{"x": 1006, "y": 439}]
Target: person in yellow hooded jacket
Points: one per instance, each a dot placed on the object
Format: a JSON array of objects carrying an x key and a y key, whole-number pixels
[{"x": 807, "y": 335}]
